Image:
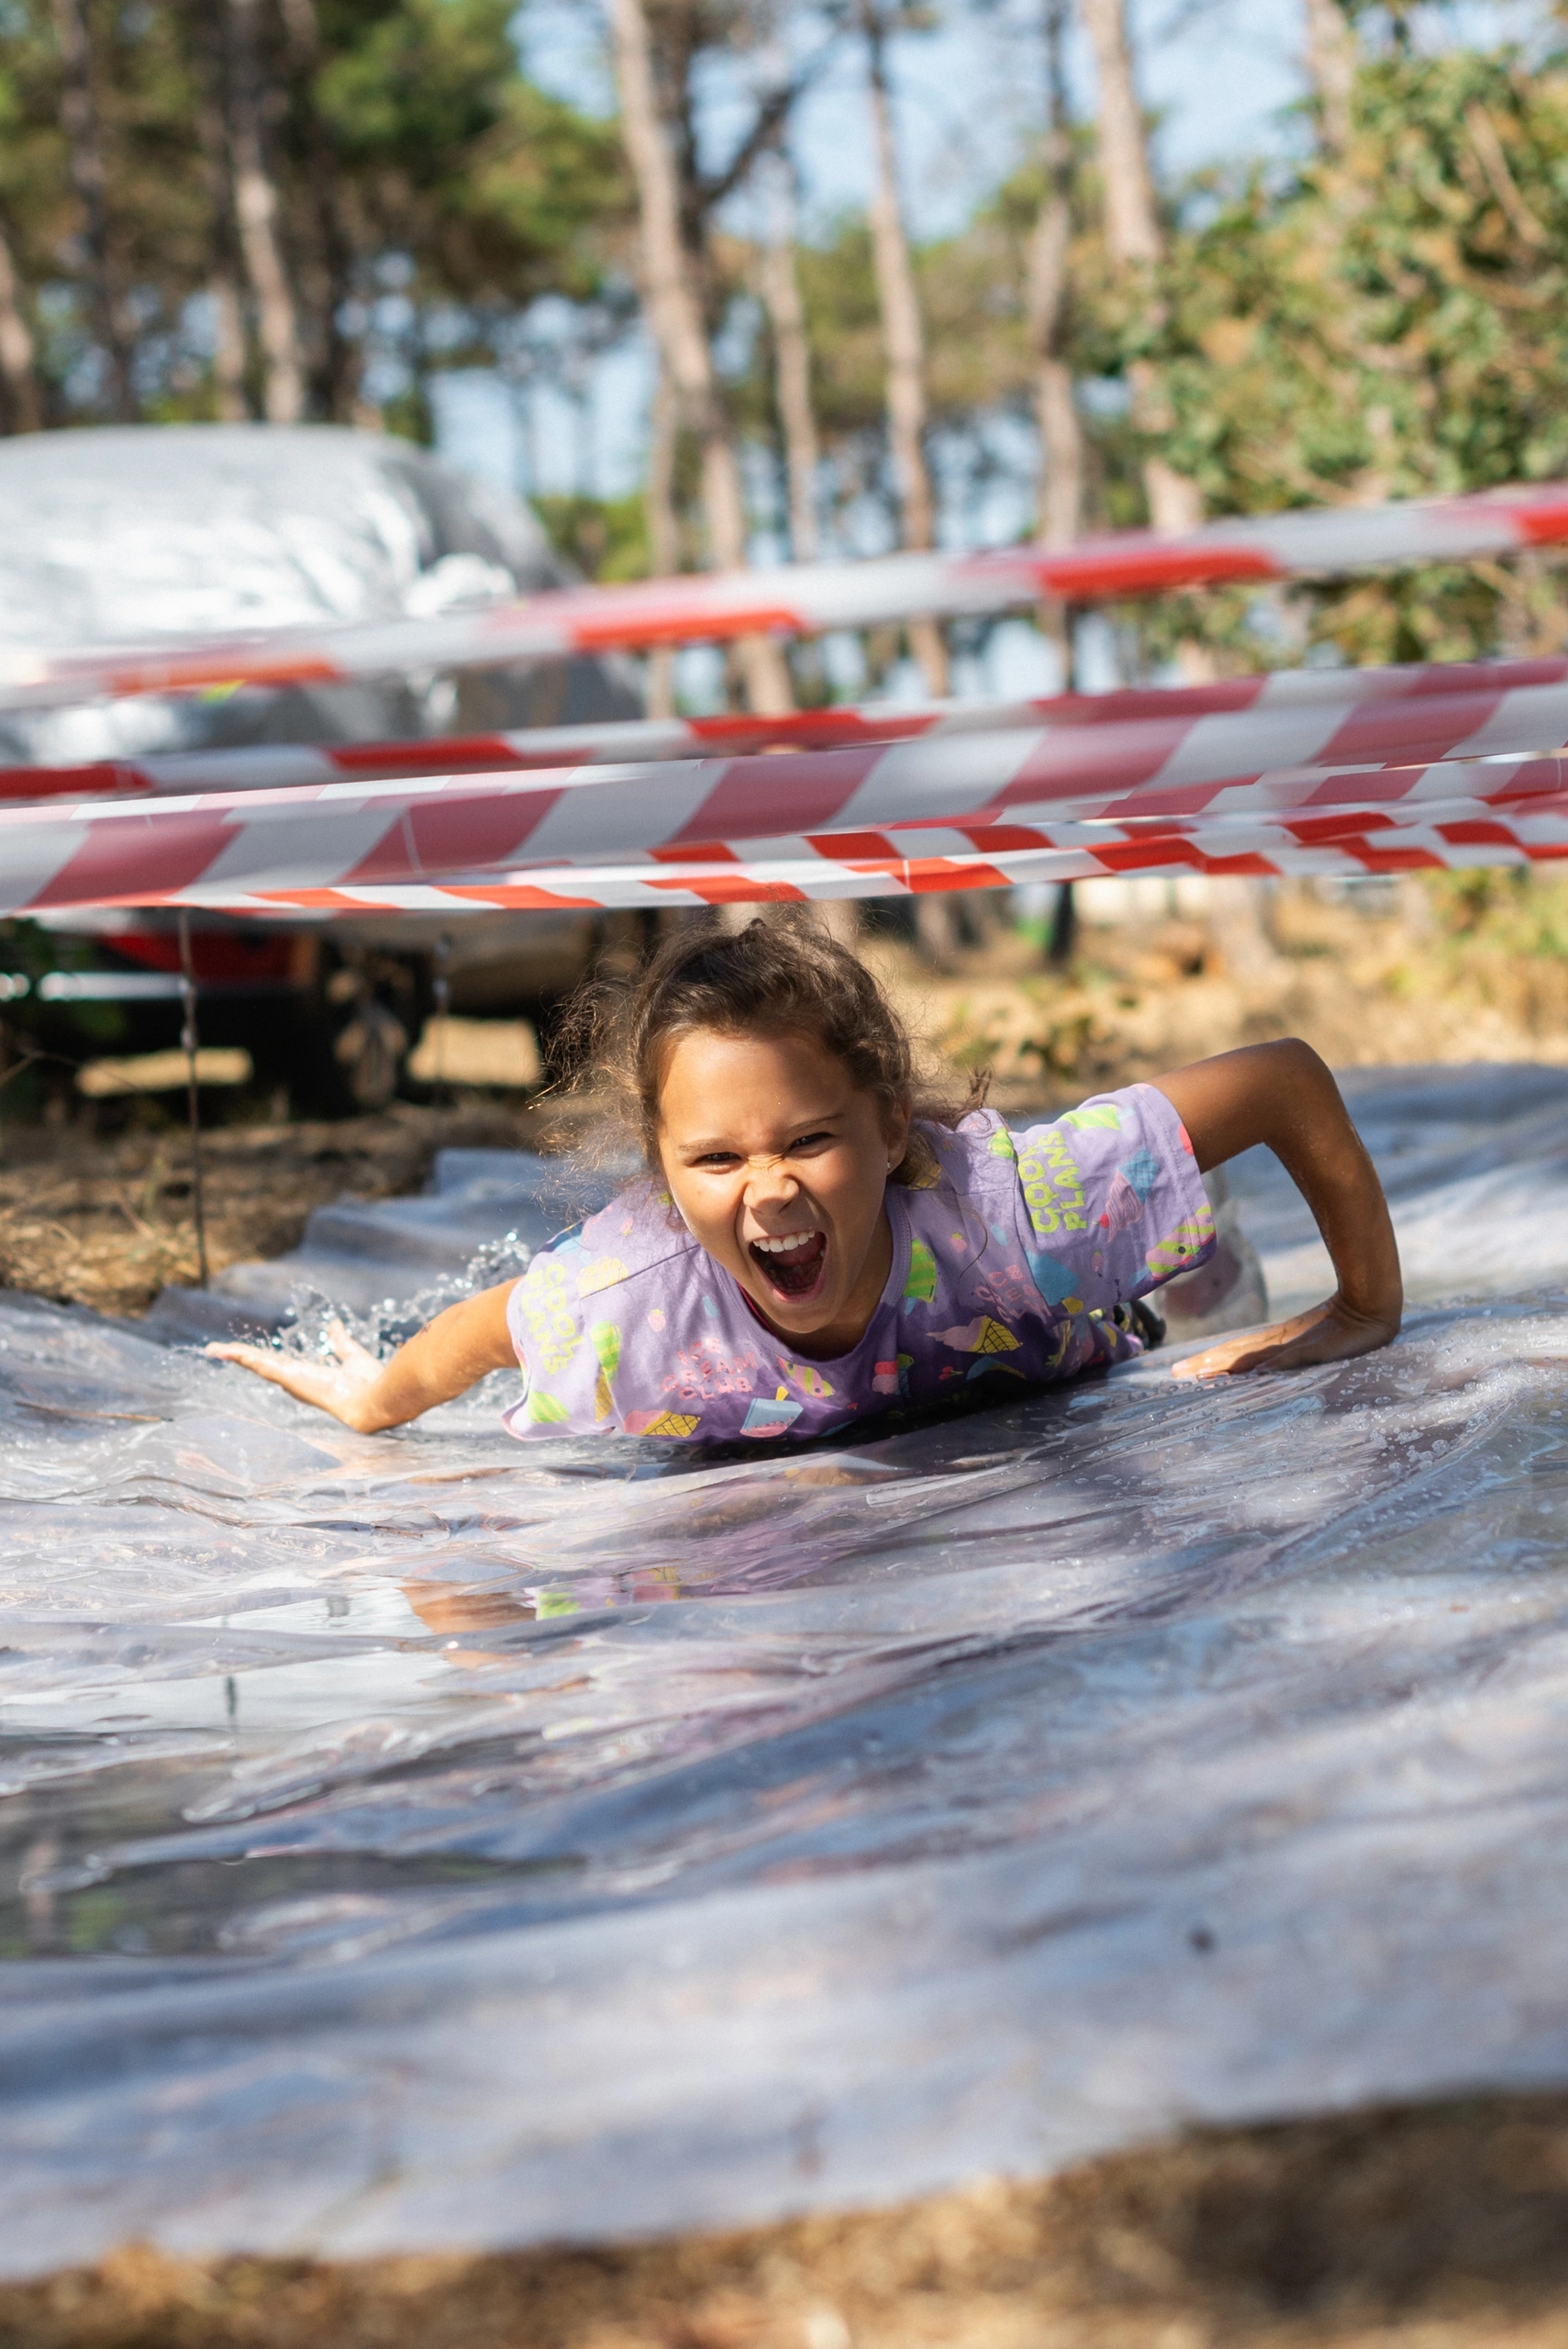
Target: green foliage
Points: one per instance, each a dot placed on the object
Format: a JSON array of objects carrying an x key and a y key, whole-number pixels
[
  {"x": 605, "y": 539},
  {"x": 410, "y": 156},
  {"x": 414, "y": 84},
  {"x": 1518, "y": 911},
  {"x": 843, "y": 326},
  {"x": 409, "y": 415},
  {"x": 1393, "y": 325},
  {"x": 146, "y": 103},
  {"x": 496, "y": 191}
]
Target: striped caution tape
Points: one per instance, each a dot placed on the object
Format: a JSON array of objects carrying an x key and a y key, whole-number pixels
[
  {"x": 811, "y": 598},
  {"x": 387, "y": 845}
]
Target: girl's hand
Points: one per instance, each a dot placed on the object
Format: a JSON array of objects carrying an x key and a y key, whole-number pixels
[
  {"x": 1333, "y": 1331},
  {"x": 342, "y": 1387},
  {"x": 443, "y": 1359}
]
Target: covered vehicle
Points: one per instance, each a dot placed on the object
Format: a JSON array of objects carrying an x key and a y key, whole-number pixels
[{"x": 119, "y": 535}]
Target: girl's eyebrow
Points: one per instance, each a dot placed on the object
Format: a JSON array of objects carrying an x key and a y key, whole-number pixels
[{"x": 706, "y": 1144}]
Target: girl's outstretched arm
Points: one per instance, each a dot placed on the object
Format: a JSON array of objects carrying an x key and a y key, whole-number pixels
[
  {"x": 1284, "y": 1095},
  {"x": 445, "y": 1358}
]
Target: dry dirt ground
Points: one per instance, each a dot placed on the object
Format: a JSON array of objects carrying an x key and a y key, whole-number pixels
[
  {"x": 1441, "y": 2228},
  {"x": 1464, "y": 967},
  {"x": 108, "y": 1222},
  {"x": 1444, "y": 2228}
]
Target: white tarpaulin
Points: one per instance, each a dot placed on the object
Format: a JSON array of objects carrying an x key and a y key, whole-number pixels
[
  {"x": 423, "y": 1841},
  {"x": 222, "y": 529}
]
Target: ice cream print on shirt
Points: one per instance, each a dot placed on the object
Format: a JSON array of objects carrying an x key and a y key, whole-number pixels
[{"x": 1007, "y": 1259}]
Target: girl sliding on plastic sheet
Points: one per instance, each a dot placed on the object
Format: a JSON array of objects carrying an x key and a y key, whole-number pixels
[{"x": 813, "y": 1244}]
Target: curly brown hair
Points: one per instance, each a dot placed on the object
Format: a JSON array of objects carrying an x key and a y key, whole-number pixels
[{"x": 784, "y": 975}]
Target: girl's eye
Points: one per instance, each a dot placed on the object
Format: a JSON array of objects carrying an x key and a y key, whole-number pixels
[{"x": 719, "y": 1161}]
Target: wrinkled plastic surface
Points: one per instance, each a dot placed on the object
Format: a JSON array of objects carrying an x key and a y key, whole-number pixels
[{"x": 418, "y": 1841}]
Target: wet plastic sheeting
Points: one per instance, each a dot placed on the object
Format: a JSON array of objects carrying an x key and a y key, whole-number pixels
[{"x": 427, "y": 1841}]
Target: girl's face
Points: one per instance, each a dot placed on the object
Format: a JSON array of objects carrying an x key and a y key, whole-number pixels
[{"x": 778, "y": 1162}]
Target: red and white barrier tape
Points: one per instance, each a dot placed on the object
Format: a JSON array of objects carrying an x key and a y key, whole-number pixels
[
  {"x": 1460, "y": 839},
  {"x": 856, "y": 810},
  {"x": 1312, "y": 716},
  {"x": 809, "y": 599},
  {"x": 1279, "y": 754}
]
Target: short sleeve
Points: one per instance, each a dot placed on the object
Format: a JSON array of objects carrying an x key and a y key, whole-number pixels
[
  {"x": 1111, "y": 1202},
  {"x": 567, "y": 1355}
]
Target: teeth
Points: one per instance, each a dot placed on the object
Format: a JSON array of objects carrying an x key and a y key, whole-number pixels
[{"x": 778, "y": 1247}]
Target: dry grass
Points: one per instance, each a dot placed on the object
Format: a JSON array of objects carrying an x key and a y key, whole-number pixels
[
  {"x": 1442, "y": 971},
  {"x": 1430, "y": 2229},
  {"x": 109, "y": 1223}
]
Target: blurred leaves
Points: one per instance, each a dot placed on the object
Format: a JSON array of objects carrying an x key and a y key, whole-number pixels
[
  {"x": 428, "y": 192},
  {"x": 600, "y": 538},
  {"x": 1391, "y": 325}
]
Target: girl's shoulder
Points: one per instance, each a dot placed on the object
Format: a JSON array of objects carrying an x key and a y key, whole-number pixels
[
  {"x": 587, "y": 1317},
  {"x": 638, "y": 1232},
  {"x": 977, "y": 1152},
  {"x": 1133, "y": 1133}
]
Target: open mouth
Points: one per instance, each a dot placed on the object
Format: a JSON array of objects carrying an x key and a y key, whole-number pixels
[{"x": 792, "y": 1265}]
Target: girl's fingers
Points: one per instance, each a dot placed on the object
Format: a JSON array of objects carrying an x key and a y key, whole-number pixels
[
  {"x": 278, "y": 1368},
  {"x": 261, "y": 1359},
  {"x": 308, "y": 1381},
  {"x": 347, "y": 1348},
  {"x": 1216, "y": 1363},
  {"x": 282, "y": 1369},
  {"x": 1258, "y": 1350},
  {"x": 1329, "y": 1332}
]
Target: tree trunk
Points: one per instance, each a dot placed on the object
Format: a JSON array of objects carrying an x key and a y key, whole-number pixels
[
  {"x": 791, "y": 355},
  {"x": 228, "y": 354},
  {"x": 18, "y": 368},
  {"x": 1331, "y": 62},
  {"x": 1137, "y": 245},
  {"x": 1060, "y": 514},
  {"x": 1060, "y": 506},
  {"x": 902, "y": 330},
  {"x": 675, "y": 317},
  {"x": 663, "y": 533},
  {"x": 904, "y": 342},
  {"x": 89, "y": 177},
  {"x": 223, "y": 278},
  {"x": 1133, "y": 218},
  {"x": 257, "y": 211},
  {"x": 336, "y": 371}
]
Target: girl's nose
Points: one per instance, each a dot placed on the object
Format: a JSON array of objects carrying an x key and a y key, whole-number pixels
[{"x": 769, "y": 1182}]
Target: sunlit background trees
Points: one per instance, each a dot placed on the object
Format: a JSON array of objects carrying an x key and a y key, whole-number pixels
[{"x": 295, "y": 210}]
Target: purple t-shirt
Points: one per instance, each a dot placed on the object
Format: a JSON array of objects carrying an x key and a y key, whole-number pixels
[{"x": 1006, "y": 1262}]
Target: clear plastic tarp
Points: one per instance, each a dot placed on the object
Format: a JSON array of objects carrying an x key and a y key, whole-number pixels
[{"x": 421, "y": 1841}]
